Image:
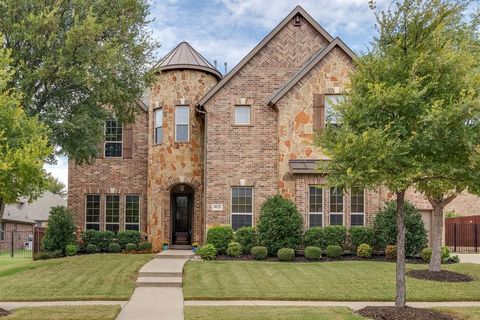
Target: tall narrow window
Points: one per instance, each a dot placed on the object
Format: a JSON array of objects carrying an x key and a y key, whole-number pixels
[
  {"x": 92, "y": 212},
  {"x": 132, "y": 213},
  {"x": 242, "y": 207},
  {"x": 336, "y": 206},
  {"x": 112, "y": 213},
  {"x": 2, "y": 231},
  {"x": 158, "y": 126},
  {"x": 357, "y": 215},
  {"x": 113, "y": 139},
  {"x": 182, "y": 120},
  {"x": 331, "y": 117},
  {"x": 243, "y": 115},
  {"x": 315, "y": 213}
]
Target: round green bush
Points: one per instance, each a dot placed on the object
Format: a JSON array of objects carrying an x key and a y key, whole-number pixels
[
  {"x": 220, "y": 237},
  {"x": 259, "y": 253},
  {"x": 234, "y": 249},
  {"x": 129, "y": 247},
  {"x": 359, "y": 235},
  {"x": 280, "y": 224},
  {"x": 128, "y": 236},
  {"x": 286, "y": 254},
  {"x": 334, "y": 252},
  {"x": 335, "y": 236},
  {"x": 246, "y": 237},
  {"x": 60, "y": 230},
  {"x": 145, "y": 246},
  {"x": 391, "y": 252},
  {"x": 427, "y": 254},
  {"x": 313, "y": 253},
  {"x": 314, "y": 237},
  {"x": 385, "y": 228},
  {"x": 114, "y": 248},
  {"x": 91, "y": 248},
  {"x": 207, "y": 252},
  {"x": 364, "y": 250},
  {"x": 71, "y": 250}
]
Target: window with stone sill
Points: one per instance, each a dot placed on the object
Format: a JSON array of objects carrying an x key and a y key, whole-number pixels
[
  {"x": 113, "y": 139},
  {"x": 182, "y": 123},
  {"x": 315, "y": 210},
  {"x": 331, "y": 116},
  {"x": 242, "y": 207},
  {"x": 132, "y": 212},
  {"x": 357, "y": 200},
  {"x": 112, "y": 213},
  {"x": 243, "y": 115},
  {"x": 336, "y": 206},
  {"x": 158, "y": 133},
  {"x": 92, "y": 212}
]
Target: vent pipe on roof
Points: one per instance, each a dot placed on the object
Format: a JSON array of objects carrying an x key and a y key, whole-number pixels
[
  {"x": 225, "y": 68},
  {"x": 215, "y": 63}
]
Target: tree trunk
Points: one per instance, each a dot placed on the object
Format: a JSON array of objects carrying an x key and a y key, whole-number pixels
[
  {"x": 436, "y": 259},
  {"x": 400, "y": 300}
]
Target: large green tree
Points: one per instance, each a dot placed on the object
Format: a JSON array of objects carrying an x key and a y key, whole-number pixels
[
  {"x": 383, "y": 140},
  {"x": 73, "y": 56}
]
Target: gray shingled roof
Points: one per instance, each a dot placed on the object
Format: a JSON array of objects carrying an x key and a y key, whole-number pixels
[
  {"x": 38, "y": 210},
  {"x": 184, "y": 56}
]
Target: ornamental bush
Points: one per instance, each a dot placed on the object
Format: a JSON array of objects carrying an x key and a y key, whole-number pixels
[
  {"x": 259, "y": 253},
  {"x": 286, "y": 254},
  {"x": 145, "y": 246},
  {"x": 313, "y": 253},
  {"x": 71, "y": 250},
  {"x": 207, "y": 252},
  {"x": 385, "y": 228},
  {"x": 130, "y": 247},
  {"x": 246, "y": 237},
  {"x": 364, "y": 250},
  {"x": 60, "y": 231},
  {"x": 114, "y": 248},
  {"x": 104, "y": 239},
  {"x": 334, "y": 252},
  {"x": 234, "y": 249},
  {"x": 280, "y": 224},
  {"x": 314, "y": 237},
  {"x": 359, "y": 235},
  {"x": 91, "y": 248},
  {"x": 391, "y": 252},
  {"x": 335, "y": 236},
  {"x": 220, "y": 237},
  {"x": 427, "y": 254},
  {"x": 128, "y": 236}
]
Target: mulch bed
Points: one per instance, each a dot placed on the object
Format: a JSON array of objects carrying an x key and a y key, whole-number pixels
[
  {"x": 4, "y": 313},
  {"x": 406, "y": 313},
  {"x": 442, "y": 276}
]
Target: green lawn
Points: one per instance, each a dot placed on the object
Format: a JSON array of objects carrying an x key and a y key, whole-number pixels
[
  {"x": 65, "y": 313},
  {"x": 88, "y": 277},
  {"x": 342, "y": 281}
]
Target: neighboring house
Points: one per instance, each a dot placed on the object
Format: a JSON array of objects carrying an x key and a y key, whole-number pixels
[{"x": 206, "y": 149}]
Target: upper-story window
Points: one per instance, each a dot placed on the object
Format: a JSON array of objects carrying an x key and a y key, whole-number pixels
[
  {"x": 182, "y": 120},
  {"x": 336, "y": 206},
  {"x": 243, "y": 115},
  {"x": 113, "y": 139},
  {"x": 158, "y": 134},
  {"x": 357, "y": 200},
  {"x": 331, "y": 117}
]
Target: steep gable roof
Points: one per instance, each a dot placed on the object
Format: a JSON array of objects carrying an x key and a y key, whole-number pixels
[
  {"x": 309, "y": 65},
  {"x": 273, "y": 33}
]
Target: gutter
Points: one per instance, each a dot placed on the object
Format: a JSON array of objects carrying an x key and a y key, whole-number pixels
[{"x": 205, "y": 141}]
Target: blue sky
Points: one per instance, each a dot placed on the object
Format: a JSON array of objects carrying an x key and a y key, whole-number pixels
[{"x": 226, "y": 30}]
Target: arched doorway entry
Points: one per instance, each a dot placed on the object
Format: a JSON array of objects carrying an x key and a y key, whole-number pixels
[{"x": 181, "y": 199}]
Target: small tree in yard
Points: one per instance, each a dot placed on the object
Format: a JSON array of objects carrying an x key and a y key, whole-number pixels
[{"x": 60, "y": 230}]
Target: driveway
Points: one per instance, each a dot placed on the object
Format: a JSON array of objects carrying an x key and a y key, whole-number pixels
[{"x": 469, "y": 257}]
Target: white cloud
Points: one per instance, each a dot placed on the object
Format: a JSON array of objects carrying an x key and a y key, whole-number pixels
[{"x": 59, "y": 170}]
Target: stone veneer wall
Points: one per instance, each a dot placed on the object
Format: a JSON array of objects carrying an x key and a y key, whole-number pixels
[{"x": 171, "y": 163}]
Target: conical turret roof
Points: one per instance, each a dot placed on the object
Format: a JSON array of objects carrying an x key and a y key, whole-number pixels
[{"x": 184, "y": 56}]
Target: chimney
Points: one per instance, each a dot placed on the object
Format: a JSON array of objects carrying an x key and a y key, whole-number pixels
[{"x": 225, "y": 68}]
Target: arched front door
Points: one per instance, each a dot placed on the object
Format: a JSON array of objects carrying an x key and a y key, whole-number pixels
[{"x": 182, "y": 212}]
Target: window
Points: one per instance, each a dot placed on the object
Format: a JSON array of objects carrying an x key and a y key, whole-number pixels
[
  {"x": 330, "y": 115},
  {"x": 242, "y": 115},
  {"x": 92, "y": 210},
  {"x": 357, "y": 200},
  {"x": 242, "y": 207},
  {"x": 132, "y": 213},
  {"x": 336, "y": 206},
  {"x": 112, "y": 213},
  {"x": 2, "y": 231},
  {"x": 113, "y": 139},
  {"x": 315, "y": 216},
  {"x": 182, "y": 115},
  {"x": 158, "y": 126}
]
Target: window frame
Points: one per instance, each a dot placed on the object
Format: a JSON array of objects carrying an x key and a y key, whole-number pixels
[
  {"x": 310, "y": 213},
  {"x": 113, "y": 142},
  {"x": 99, "y": 211},
  {"x": 3, "y": 231},
  {"x": 241, "y": 213},
  {"x": 336, "y": 213},
  {"x": 125, "y": 211},
  {"x": 182, "y": 124},
  {"x": 106, "y": 213},
  {"x": 329, "y": 106},
  {"x": 250, "y": 116},
  {"x": 155, "y": 125},
  {"x": 358, "y": 213}
]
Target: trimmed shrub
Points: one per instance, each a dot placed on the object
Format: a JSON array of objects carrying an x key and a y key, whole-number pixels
[
  {"x": 128, "y": 236},
  {"x": 391, "y": 252},
  {"x": 220, "y": 237},
  {"x": 91, "y": 248},
  {"x": 452, "y": 259},
  {"x": 259, "y": 253},
  {"x": 48, "y": 255},
  {"x": 427, "y": 254},
  {"x": 335, "y": 236},
  {"x": 280, "y": 224},
  {"x": 385, "y": 228},
  {"x": 71, "y": 250},
  {"x": 130, "y": 247},
  {"x": 313, "y": 253},
  {"x": 334, "y": 252},
  {"x": 207, "y": 252},
  {"x": 90, "y": 237},
  {"x": 286, "y": 254},
  {"x": 234, "y": 249},
  {"x": 314, "y": 237},
  {"x": 104, "y": 239},
  {"x": 364, "y": 250},
  {"x": 359, "y": 235},
  {"x": 145, "y": 246},
  {"x": 60, "y": 231},
  {"x": 445, "y": 253},
  {"x": 246, "y": 237},
  {"x": 114, "y": 248}
]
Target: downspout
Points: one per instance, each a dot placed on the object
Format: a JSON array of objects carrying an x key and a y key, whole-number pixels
[{"x": 205, "y": 117}]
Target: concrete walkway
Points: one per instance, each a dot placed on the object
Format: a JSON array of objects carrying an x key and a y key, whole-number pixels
[
  {"x": 159, "y": 288},
  {"x": 469, "y": 257}
]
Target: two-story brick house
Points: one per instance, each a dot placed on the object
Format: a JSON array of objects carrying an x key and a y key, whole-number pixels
[{"x": 206, "y": 149}]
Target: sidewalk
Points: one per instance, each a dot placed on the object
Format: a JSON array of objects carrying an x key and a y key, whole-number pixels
[
  {"x": 15, "y": 305},
  {"x": 469, "y": 257}
]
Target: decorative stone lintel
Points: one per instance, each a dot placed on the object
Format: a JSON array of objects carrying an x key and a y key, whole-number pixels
[
  {"x": 244, "y": 101},
  {"x": 182, "y": 102},
  {"x": 235, "y": 182}
]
